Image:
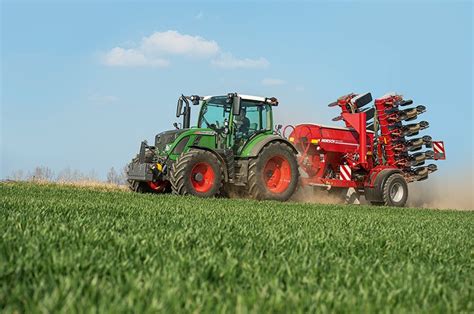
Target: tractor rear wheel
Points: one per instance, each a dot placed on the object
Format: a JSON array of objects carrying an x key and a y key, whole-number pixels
[
  {"x": 197, "y": 172},
  {"x": 395, "y": 191},
  {"x": 273, "y": 175}
]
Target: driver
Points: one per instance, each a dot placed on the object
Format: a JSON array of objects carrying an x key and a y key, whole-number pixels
[{"x": 242, "y": 122}]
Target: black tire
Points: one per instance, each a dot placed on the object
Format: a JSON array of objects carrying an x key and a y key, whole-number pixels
[
  {"x": 395, "y": 191},
  {"x": 133, "y": 185},
  {"x": 181, "y": 175},
  {"x": 257, "y": 183}
]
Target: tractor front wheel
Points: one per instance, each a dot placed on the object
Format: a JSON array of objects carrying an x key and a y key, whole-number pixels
[
  {"x": 273, "y": 175},
  {"x": 198, "y": 173}
]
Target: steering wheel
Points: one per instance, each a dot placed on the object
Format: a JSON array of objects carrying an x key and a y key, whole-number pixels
[{"x": 212, "y": 126}]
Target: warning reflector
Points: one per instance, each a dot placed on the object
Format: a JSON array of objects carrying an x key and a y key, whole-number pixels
[
  {"x": 346, "y": 172},
  {"x": 439, "y": 152}
]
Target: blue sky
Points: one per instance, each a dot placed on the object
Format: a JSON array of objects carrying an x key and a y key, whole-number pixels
[{"x": 82, "y": 83}]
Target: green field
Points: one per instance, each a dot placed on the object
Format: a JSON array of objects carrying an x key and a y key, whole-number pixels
[{"x": 74, "y": 249}]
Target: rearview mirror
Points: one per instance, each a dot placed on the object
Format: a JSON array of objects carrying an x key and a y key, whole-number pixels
[
  {"x": 236, "y": 105},
  {"x": 179, "y": 108}
]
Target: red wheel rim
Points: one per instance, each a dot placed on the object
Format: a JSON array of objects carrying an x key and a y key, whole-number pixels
[
  {"x": 202, "y": 177},
  {"x": 157, "y": 186},
  {"x": 277, "y": 174}
]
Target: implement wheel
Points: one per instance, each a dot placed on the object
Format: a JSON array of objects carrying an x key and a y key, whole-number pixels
[
  {"x": 273, "y": 175},
  {"x": 198, "y": 173},
  {"x": 395, "y": 191}
]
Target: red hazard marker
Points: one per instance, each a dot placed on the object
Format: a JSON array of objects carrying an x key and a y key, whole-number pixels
[
  {"x": 439, "y": 151},
  {"x": 346, "y": 172}
]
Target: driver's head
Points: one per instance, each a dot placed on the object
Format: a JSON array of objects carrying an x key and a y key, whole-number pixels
[{"x": 243, "y": 112}]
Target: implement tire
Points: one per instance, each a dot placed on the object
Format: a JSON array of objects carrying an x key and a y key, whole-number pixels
[
  {"x": 395, "y": 191},
  {"x": 273, "y": 174},
  {"x": 198, "y": 173}
]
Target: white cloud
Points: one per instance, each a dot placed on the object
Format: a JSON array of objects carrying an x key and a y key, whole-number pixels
[
  {"x": 228, "y": 61},
  {"x": 273, "y": 82},
  {"x": 132, "y": 57},
  {"x": 156, "y": 49},
  {"x": 174, "y": 43}
]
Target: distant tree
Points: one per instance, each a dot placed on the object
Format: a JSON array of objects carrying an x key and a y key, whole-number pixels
[
  {"x": 91, "y": 176},
  {"x": 41, "y": 174},
  {"x": 65, "y": 175},
  {"x": 123, "y": 175},
  {"x": 113, "y": 177},
  {"x": 77, "y": 176},
  {"x": 17, "y": 175}
]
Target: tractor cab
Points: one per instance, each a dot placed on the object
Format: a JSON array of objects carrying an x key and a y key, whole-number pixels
[{"x": 234, "y": 118}]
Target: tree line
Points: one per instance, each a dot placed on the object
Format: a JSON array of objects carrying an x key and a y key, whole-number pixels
[{"x": 45, "y": 174}]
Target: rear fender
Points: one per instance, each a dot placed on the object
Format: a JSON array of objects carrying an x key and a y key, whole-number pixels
[{"x": 253, "y": 148}]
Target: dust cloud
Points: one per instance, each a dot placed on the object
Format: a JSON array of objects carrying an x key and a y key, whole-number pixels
[
  {"x": 318, "y": 196},
  {"x": 447, "y": 191},
  {"x": 452, "y": 191}
]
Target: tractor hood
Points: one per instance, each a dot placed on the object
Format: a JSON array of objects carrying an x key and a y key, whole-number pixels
[{"x": 167, "y": 137}]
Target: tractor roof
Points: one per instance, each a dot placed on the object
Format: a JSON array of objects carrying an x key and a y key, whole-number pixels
[{"x": 244, "y": 97}]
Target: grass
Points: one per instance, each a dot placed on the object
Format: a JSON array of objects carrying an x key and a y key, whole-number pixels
[{"x": 73, "y": 249}]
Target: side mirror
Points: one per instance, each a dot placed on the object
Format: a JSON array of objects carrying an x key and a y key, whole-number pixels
[
  {"x": 236, "y": 105},
  {"x": 176, "y": 125},
  {"x": 179, "y": 108}
]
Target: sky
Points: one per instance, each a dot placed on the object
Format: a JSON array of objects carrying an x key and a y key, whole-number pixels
[{"x": 83, "y": 82}]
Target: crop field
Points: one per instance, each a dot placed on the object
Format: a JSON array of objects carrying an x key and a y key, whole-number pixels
[{"x": 73, "y": 249}]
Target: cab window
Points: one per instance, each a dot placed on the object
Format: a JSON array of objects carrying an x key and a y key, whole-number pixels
[{"x": 254, "y": 117}]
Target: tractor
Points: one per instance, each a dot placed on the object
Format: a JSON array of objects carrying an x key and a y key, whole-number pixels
[{"x": 233, "y": 148}]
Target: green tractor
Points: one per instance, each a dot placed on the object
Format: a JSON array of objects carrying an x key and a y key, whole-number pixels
[{"x": 232, "y": 148}]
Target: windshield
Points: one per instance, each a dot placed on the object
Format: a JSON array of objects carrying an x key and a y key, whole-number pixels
[{"x": 214, "y": 112}]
